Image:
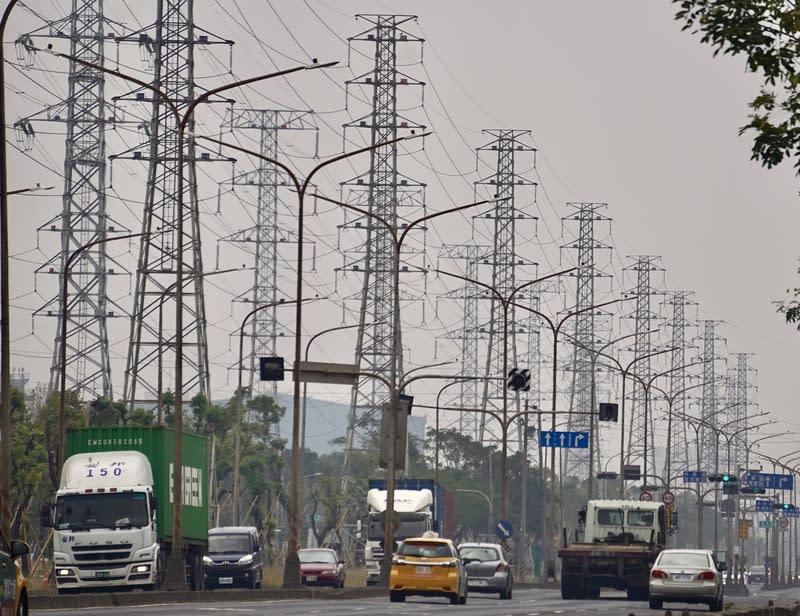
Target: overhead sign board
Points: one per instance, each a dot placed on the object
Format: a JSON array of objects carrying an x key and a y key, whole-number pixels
[
  {"x": 325, "y": 372},
  {"x": 571, "y": 440},
  {"x": 763, "y": 504},
  {"x": 694, "y": 476},
  {"x": 768, "y": 481}
]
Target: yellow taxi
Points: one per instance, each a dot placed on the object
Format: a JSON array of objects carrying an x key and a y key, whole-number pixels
[
  {"x": 428, "y": 566},
  {"x": 13, "y": 589}
]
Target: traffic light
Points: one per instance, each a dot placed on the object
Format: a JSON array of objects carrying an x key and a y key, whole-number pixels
[
  {"x": 608, "y": 411},
  {"x": 744, "y": 530},
  {"x": 784, "y": 506},
  {"x": 519, "y": 379},
  {"x": 270, "y": 368},
  {"x": 714, "y": 478},
  {"x": 730, "y": 484},
  {"x": 751, "y": 490}
]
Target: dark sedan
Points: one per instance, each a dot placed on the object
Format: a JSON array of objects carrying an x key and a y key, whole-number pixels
[
  {"x": 321, "y": 567},
  {"x": 487, "y": 568}
]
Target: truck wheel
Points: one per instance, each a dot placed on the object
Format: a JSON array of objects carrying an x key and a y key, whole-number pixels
[
  {"x": 395, "y": 596},
  {"x": 656, "y": 604},
  {"x": 569, "y": 586}
]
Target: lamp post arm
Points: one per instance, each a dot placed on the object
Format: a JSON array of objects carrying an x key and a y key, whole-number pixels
[{"x": 62, "y": 413}]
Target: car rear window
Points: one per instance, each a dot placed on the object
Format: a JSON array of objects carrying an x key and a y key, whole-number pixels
[
  {"x": 428, "y": 550},
  {"x": 686, "y": 559}
]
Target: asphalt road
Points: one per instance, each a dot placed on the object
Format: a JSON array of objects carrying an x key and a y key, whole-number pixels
[{"x": 526, "y": 602}]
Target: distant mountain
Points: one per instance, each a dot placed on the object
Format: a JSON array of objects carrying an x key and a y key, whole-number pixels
[{"x": 327, "y": 421}]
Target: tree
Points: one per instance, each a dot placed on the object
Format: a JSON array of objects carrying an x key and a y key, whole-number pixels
[{"x": 767, "y": 34}]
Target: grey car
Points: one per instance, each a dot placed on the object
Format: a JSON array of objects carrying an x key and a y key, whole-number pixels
[
  {"x": 686, "y": 576},
  {"x": 488, "y": 571}
]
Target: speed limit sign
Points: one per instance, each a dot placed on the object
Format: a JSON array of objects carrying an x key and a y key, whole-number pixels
[
  {"x": 668, "y": 498},
  {"x": 645, "y": 496}
]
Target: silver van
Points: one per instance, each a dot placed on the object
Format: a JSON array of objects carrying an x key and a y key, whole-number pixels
[{"x": 234, "y": 558}]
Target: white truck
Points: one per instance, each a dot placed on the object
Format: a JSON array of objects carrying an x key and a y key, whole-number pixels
[
  {"x": 414, "y": 512},
  {"x": 112, "y": 512}
]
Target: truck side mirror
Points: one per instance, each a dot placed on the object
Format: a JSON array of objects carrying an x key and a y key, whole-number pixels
[
  {"x": 44, "y": 516},
  {"x": 153, "y": 502}
]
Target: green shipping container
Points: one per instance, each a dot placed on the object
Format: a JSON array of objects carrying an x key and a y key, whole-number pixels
[{"x": 158, "y": 444}]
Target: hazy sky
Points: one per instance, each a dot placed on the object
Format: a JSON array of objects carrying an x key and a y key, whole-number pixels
[{"x": 623, "y": 108}]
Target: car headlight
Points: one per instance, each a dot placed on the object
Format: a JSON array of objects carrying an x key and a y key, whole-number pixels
[
  {"x": 246, "y": 560},
  {"x": 207, "y": 560}
]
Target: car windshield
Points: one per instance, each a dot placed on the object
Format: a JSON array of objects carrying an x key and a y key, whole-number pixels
[
  {"x": 479, "y": 553},
  {"x": 106, "y": 510},
  {"x": 229, "y": 544},
  {"x": 683, "y": 559},
  {"x": 427, "y": 550},
  {"x": 640, "y": 518},
  {"x": 316, "y": 556}
]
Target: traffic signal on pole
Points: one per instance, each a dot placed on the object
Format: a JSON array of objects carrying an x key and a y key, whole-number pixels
[
  {"x": 744, "y": 530},
  {"x": 730, "y": 484},
  {"x": 519, "y": 379},
  {"x": 608, "y": 411},
  {"x": 751, "y": 490},
  {"x": 714, "y": 478},
  {"x": 728, "y": 478},
  {"x": 270, "y": 368}
]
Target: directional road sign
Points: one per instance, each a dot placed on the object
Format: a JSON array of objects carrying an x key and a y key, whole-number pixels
[
  {"x": 766, "y": 524},
  {"x": 763, "y": 504},
  {"x": 694, "y": 476},
  {"x": 503, "y": 529},
  {"x": 572, "y": 440},
  {"x": 768, "y": 481}
]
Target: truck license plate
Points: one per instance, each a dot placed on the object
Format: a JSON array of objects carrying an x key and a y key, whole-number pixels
[
  {"x": 100, "y": 575},
  {"x": 226, "y": 580},
  {"x": 426, "y": 571},
  {"x": 311, "y": 578}
]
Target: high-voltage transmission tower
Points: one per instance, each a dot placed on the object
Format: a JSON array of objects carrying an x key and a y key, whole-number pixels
[
  {"x": 266, "y": 236},
  {"x": 709, "y": 440},
  {"x": 740, "y": 400},
  {"x": 640, "y": 432},
  {"x": 153, "y": 336},
  {"x": 84, "y": 223},
  {"x": 505, "y": 147},
  {"x": 467, "y": 392},
  {"x": 678, "y": 441},
  {"x": 382, "y": 191},
  {"x": 582, "y": 416}
]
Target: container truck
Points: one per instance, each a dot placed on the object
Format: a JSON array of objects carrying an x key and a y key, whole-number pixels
[
  {"x": 112, "y": 512},
  {"x": 614, "y": 546},
  {"x": 420, "y": 505}
]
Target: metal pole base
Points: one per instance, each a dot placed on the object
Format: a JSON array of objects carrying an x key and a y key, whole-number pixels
[
  {"x": 175, "y": 576},
  {"x": 291, "y": 571}
]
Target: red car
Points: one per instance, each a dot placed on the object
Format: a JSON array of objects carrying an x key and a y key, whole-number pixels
[{"x": 321, "y": 567}]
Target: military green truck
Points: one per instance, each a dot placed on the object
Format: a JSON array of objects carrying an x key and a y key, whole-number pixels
[
  {"x": 614, "y": 546},
  {"x": 112, "y": 513}
]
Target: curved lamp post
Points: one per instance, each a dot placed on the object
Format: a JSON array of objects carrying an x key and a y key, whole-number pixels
[{"x": 175, "y": 575}]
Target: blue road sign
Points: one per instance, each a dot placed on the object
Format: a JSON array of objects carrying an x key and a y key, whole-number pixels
[
  {"x": 792, "y": 513},
  {"x": 763, "y": 504},
  {"x": 503, "y": 529},
  {"x": 694, "y": 476},
  {"x": 768, "y": 481},
  {"x": 572, "y": 440}
]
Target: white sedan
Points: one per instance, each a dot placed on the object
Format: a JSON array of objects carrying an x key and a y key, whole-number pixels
[{"x": 686, "y": 576}]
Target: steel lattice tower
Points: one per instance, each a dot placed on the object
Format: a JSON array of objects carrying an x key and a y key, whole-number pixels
[
  {"x": 678, "y": 439},
  {"x": 638, "y": 424},
  {"x": 381, "y": 191},
  {"x": 469, "y": 334},
  {"x": 83, "y": 219},
  {"x": 266, "y": 234},
  {"x": 581, "y": 414},
  {"x": 506, "y": 146},
  {"x": 739, "y": 425},
  {"x": 708, "y": 410},
  {"x": 153, "y": 341}
]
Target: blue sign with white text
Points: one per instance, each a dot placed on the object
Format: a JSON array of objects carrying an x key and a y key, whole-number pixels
[
  {"x": 503, "y": 529},
  {"x": 572, "y": 440},
  {"x": 768, "y": 481},
  {"x": 764, "y": 505},
  {"x": 694, "y": 476}
]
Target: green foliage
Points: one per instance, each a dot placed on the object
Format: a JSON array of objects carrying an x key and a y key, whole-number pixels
[{"x": 766, "y": 33}]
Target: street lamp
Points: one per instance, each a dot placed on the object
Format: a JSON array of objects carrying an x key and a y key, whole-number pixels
[
  {"x": 291, "y": 576},
  {"x": 507, "y": 302},
  {"x": 237, "y": 454},
  {"x": 175, "y": 572}
]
